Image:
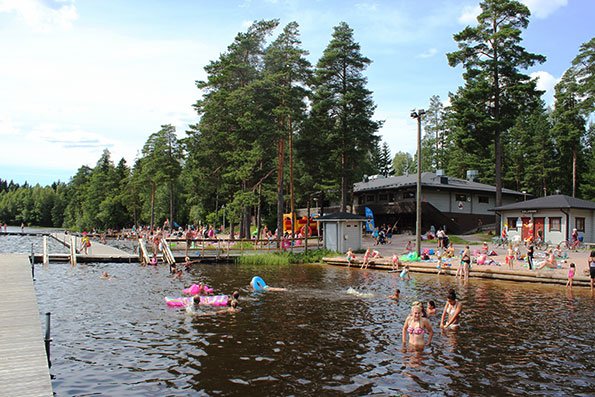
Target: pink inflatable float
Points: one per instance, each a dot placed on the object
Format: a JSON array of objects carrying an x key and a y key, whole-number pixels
[
  {"x": 178, "y": 302},
  {"x": 214, "y": 300},
  {"x": 196, "y": 289}
]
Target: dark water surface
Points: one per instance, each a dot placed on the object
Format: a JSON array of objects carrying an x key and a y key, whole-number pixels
[{"x": 118, "y": 338}]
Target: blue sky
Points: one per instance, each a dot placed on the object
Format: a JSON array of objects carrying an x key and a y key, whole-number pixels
[{"x": 81, "y": 76}]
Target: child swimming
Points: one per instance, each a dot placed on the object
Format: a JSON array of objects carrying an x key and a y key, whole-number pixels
[{"x": 396, "y": 295}]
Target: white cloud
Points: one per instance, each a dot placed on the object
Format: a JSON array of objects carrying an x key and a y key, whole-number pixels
[
  {"x": 428, "y": 54},
  {"x": 43, "y": 16},
  {"x": 544, "y": 8},
  {"x": 469, "y": 15},
  {"x": 545, "y": 82},
  {"x": 7, "y": 126},
  {"x": 369, "y": 7}
]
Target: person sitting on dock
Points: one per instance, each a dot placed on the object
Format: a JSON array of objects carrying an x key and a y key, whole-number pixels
[
  {"x": 409, "y": 247},
  {"x": 449, "y": 252}
]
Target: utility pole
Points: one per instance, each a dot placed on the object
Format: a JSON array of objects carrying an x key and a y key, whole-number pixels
[{"x": 417, "y": 114}]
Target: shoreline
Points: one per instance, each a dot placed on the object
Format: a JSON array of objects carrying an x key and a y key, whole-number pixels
[{"x": 519, "y": 271}]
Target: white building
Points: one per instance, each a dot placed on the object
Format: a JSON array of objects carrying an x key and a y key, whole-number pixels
[
  {"x": 553, "y": 217},
  {"x": 342, "y": 230}
]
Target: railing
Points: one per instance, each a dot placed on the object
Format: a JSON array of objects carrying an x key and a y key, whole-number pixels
[{"x": 241, "y": 246}]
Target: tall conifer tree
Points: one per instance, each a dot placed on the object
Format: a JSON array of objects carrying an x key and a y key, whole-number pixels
[{"x": 496, "y": 91}]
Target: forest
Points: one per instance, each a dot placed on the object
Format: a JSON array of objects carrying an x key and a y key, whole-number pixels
[{"x": 274, "y": 133}]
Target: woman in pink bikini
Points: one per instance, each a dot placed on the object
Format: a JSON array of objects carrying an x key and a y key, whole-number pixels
[{"x": 416, "y": 327}]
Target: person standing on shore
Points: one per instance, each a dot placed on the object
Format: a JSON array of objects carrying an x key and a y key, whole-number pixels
[
  {"x": 530, "y": 253},
  {"x": 571, "y": 272}
]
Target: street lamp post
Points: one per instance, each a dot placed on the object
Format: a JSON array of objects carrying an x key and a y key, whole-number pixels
[
  {"x": 417, "y": 114},
  {"x": 223, "y": 208}
]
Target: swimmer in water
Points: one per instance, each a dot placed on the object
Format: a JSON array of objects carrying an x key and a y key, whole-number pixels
[
  {"x": 416, "y": 327},
  {"x": 106, "y": 276},
  {"x": 267, "y": 287},
  {"x": 232, "y": 307},
  {"x": 396, "y": 295},
  {"x": 431, "y": 308},
  {"x": 453, "y": 308},
  {"x": 178, "y": 274}
]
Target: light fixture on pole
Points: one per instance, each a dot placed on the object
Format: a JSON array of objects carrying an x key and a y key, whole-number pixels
[{"x": 417, "y": 114}]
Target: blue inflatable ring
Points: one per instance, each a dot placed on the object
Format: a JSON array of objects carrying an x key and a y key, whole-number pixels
[{"x": 258, "y": 284}]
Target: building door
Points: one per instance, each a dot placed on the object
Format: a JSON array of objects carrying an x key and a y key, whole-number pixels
[
  {"x": 330, "y": 236},
  {"x": 539, "y": 225},
  {"x": 525, "y": 232}
]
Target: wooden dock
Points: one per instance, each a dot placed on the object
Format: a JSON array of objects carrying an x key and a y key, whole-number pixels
[
  {"x": 478, "y": 271},
  {"x": 23, "y": 364}
]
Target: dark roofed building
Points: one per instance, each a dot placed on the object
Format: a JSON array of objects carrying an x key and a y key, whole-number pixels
[{"x": 459, "y": 204}]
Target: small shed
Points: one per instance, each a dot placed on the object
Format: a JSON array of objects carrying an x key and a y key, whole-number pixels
[
  {"x": 551, "y": 217},
  {"x": 342, "y": 230}
]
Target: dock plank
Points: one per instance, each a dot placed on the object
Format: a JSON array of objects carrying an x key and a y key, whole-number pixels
[{"x": 23, "y": 364}]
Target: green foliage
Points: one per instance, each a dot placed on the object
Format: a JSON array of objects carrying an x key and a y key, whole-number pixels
[
  {"x": 285, "y": 258},
  {"x": 435, "y": 136},
  {"x": 403, "y": 163}
]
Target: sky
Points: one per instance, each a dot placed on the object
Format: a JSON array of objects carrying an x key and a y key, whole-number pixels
[{"x": 79, "y": 77}]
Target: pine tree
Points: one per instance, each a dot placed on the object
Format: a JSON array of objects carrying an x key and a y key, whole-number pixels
[
  {"x": 495, "y": 90},
  {"x": 342, "y": 109}
]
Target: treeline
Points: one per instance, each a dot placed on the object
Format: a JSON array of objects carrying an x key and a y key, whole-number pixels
[{"x": 276, "y": 133}]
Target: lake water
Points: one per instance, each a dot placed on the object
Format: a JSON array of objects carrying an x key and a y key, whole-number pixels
[{"x": 117, "y": 337}]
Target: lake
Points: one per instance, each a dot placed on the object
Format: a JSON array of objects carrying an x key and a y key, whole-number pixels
[{"x": 117, "y": 337}]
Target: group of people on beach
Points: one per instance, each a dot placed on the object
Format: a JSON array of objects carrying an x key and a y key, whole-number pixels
[{"x": 417, "y": 323}]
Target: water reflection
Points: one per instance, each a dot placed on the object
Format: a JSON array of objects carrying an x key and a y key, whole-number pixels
[{"x": 117, "y": 337}]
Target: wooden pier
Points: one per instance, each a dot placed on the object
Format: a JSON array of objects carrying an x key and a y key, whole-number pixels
[
  {"x": 23, "y": 364},
  {"x": 557, "y": 276}
]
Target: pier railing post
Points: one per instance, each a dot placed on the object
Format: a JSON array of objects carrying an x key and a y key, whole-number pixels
[
  {"x": 32, "y": 258},
  {"x": 47, "y": 339}
]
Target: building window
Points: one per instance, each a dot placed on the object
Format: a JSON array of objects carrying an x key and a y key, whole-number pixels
[
  {"x": 391, "y": 197},
  {"x": 580, "y": 224},
  {"x": 484, "y": 199},
  {"x": 460, "y": 197},
  {"x": 361, "y": 200},
  {"x": 383, "y": 197},
  {"x": 408, "y": 195},
  {"x": 370, "y": 198},
  {"x": 511, "y": 223},
  {"x": 555, "y": 224}
]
